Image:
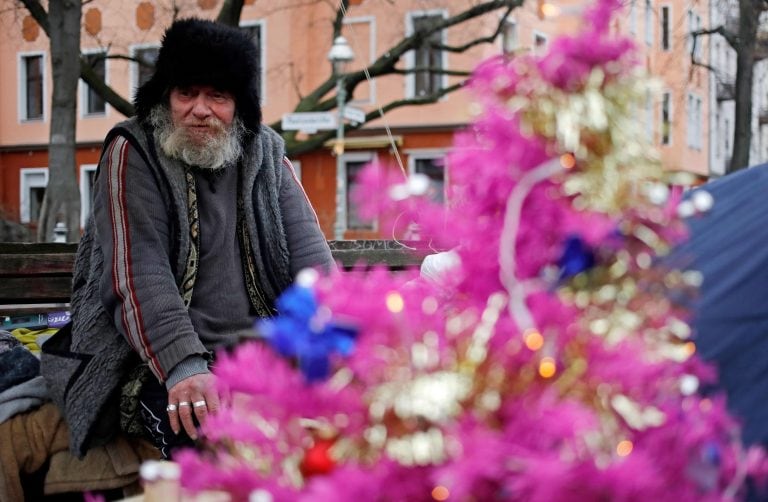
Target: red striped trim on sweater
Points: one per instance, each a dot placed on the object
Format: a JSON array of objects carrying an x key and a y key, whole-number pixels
[{"x": 122, "y": 262}]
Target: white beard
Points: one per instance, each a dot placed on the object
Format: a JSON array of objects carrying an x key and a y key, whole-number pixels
[{"x": 221, "y": 148}]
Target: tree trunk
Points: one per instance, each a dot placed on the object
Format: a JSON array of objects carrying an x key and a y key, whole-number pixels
[
  {"x": 745, "y": 62},
  {"x": 61, "y": 203}
]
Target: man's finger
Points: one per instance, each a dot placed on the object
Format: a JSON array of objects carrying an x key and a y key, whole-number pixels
[
  {"x": 212, "y": 400},
  {"x": 200, "y": 408},
  {"x": 173, "y": 416},
  {"x": 185, "y": 415}
]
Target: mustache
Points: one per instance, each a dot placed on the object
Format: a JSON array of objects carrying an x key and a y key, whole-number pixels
[{"x": 211, "y": 122}]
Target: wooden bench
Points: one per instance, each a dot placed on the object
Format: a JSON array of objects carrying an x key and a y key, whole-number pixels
[{"x": 37, "y": 277}]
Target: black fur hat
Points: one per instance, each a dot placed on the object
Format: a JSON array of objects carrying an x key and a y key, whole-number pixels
[{"x": 200, "y": 52}]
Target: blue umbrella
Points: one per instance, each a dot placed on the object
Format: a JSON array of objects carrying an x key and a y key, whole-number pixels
[{"x": 728, "y": 244}]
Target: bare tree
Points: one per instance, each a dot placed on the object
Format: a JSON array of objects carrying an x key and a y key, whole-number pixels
[{"x": 744, "y": 41}]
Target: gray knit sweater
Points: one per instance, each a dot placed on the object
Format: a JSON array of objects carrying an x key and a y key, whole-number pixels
[{"x": 131, "y": 262}]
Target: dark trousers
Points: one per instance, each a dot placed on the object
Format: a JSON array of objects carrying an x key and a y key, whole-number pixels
[{"x": 152, "y": 402}]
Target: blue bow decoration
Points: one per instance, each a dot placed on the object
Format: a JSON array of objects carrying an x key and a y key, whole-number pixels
[
  {"x": 576, "y": 257},
  {"x": 306, "y": 333}
]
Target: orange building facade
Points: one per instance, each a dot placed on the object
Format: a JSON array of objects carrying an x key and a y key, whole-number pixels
[{"x": 294, "y": 43}]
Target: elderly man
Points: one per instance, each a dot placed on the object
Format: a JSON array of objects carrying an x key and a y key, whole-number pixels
[{"x": 198, "y": 224}]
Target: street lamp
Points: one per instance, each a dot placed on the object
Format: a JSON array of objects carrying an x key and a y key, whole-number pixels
[{"x": 339, "y": 55}]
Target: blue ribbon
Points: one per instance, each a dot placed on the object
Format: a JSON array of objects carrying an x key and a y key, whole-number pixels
[
  {"x": 576, "y": 257},
  {"x": 307, "y": 334}
]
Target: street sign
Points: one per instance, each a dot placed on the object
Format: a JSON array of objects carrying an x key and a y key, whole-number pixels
[
  {"x": 354, "y": 114},
  {"x": 309, "y": 121}
]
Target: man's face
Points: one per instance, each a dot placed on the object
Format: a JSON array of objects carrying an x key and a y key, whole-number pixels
[{"x": 201, "y": 110}]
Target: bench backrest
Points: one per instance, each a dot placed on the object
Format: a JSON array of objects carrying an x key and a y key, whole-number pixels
[{"x": 37, "y": 277}]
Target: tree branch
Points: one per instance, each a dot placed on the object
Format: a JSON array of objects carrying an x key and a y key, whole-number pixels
[
  {"x": 230, "y": 13},
  {"x": 317, "y": 140},
  {"x": 97, "y": 83},
  {"x": 338, "y": 20},
  {"x": 729, "y": 36},
  {"x": 431, "y": 69},
  {"x": 482, "y": 40},
  {"x": 38, "y": 13}
]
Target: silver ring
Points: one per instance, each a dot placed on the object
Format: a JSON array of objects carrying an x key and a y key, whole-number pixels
[
  {"x": 170, "y": 408},
  {"x": 198, "y": 404},
  {"x": 183, "y": 403}
]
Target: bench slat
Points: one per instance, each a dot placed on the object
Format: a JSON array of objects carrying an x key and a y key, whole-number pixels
[
  {"x": 14, "y": 265},
  {"x": 35, "y": 290}
]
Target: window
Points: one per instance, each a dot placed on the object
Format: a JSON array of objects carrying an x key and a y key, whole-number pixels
[
  {"x": 33, "y": 183},
  {"x": 666, "y": 42},
  {"x": 666, "y": 118},
  {"x": 649, "y": 116},
  {"x": 255, "y": 31},
  {"x": 509, "y": 38},
  {"x": 648, "y": 23},
  {"x": 539, "y": 43},
  {"x": 87, "y": 175},
  {"x": 632, "y": 17},
  {"x": 144, "y": 66},
  {"x": 694, "y": 121},
  {"x": 432, "y": 165},
  {"x": 716, "y": 56},
  {"x": 31, "y": 72},
  {"x": 353, "y": 164},
  {"x": 694, "y": 43},
  {"x": 93, "y": 104},
  {"x": 428, "y": 59},
  {"x": 699, "y": 41}
]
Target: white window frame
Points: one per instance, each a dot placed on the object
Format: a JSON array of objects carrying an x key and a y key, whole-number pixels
[
  {"x": 355, "y": 157},
  {"x": 85, "y": 193},
  {"x": 699, "y": 118},
  {"x": 262, "y": 24},
  {"x": 371, "y": 56},
  {"x": 30, "y": 177},
  {"x": 665, "y": 28},
  {"x": 689, "y": 120},
  {"x": 648, "y": 23},
  {"x": 697, "y": 27},
  {"x": 505, "y": 46},
  {"x": 83, "y": 91},
  {"x": 694, "y": 24},
  {"x": 429, "y": 153},
  {"x": 410, "y": 56},
  {"x": 649, "y": 129},
  {"x": 670, "y": 109},
  {"x": 135, "y": 66},
  {"x": 694, "y": 116},
  {"x": 22, "y": 87}
]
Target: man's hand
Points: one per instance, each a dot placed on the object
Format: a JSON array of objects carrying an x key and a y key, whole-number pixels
[{"x": 194, "y": 396}]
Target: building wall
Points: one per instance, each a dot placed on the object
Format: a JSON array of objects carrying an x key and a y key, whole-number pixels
[{"x": 294, "y": 56}]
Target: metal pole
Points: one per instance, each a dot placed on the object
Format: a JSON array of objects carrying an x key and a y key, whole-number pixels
[{"x": 341, "y": 181}]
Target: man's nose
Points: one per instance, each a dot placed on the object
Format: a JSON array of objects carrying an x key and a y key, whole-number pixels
[{"x": 200, "y": 107}]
